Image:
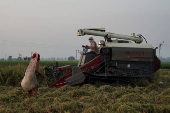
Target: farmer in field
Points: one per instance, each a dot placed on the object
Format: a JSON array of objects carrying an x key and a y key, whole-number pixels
[
  {"x": 29, "y": 82},
  {"x": 93, "y": 46}
]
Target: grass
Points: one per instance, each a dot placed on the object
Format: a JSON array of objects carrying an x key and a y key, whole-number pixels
[{"x": 153, "y": 98}]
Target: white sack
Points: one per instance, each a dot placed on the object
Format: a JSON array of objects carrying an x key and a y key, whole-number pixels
[{"x": 29, "y": 81}]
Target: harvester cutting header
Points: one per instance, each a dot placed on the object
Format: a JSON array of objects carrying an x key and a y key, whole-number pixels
[{"x": 115, "y": 60}]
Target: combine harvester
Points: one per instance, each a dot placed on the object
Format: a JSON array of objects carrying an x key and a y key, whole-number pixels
[{"x": 116, "y": 60}]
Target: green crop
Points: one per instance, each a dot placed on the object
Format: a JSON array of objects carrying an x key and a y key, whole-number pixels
[{"x": 165, "y": 65}]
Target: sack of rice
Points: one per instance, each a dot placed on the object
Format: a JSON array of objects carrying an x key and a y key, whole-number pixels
[{"x": 29, "y": 81}]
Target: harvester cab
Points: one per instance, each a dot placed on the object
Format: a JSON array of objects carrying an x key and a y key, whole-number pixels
[{"x": 117, "y": 59}]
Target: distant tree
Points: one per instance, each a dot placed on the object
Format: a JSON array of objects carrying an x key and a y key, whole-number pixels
[
  {"x": 2, "y": 59},
  {"x": 71, "y": 58},
  {"x": 9, "y": 58}
]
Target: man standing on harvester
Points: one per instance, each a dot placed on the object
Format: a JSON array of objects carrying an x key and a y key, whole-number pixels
[{"x": 93, "y": 46}]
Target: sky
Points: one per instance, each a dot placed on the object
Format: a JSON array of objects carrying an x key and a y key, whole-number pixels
[{"x": 49, "y": 27}]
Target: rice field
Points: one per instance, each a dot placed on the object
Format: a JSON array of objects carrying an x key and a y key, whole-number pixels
[{"x": 153, "y": 98}]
